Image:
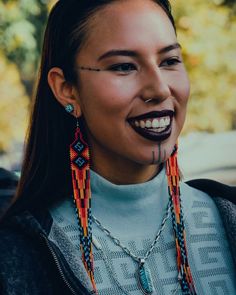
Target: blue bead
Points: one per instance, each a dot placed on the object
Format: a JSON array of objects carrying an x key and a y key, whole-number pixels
[
  {"x": 69, "y": 108},
  {"x": 145, "y": 279}
]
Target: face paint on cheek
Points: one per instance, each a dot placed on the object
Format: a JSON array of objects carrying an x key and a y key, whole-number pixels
[{"x": 158, "y": 155}]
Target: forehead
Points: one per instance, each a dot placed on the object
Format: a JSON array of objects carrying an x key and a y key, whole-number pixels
[
  {"x": 127, "y": 20},
  {"x": 130, "y": 23}
]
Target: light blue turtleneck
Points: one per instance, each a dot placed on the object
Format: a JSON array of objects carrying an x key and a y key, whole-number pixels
[{"x": 133, "y": 214}]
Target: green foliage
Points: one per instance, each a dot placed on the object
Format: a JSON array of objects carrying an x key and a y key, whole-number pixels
[
  {"x": 206, "y": 32},
  {"x": 13, "y": 105},
  {"x": 21, "y": 29}
]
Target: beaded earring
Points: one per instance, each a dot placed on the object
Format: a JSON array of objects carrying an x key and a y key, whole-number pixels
[
  {"x": 80, "y": 169},
  {"x": 184, "y": 272},
  {"x": 69, "y": 108},
  {"x": 80, "y": 165}
]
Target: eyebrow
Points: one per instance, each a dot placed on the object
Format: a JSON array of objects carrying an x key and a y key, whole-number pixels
[
  {"x": 131, "y": 53},
  {"x": 169, "y": 48}
]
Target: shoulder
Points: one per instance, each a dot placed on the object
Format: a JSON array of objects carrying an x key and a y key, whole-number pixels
[
  {"x": 17, "y": 250},
  {"x": 194, "y": 198},
  {"x": 214, "y": 189},
  {"x": 12, "y": 245},
  {"x": 224, "y": 196},
  {"x": 22, "y": 264},
  {"x": 220, "y": 197},
  {"x": 21, "y": 241}
]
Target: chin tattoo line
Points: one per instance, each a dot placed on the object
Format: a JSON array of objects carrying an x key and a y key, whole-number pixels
[{"x": 158, "y": 155}]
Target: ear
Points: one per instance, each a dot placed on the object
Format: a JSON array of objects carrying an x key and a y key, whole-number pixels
[{"x": 64, "y": 92}]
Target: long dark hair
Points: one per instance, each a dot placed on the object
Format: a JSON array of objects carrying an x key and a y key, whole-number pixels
[{"x": 45, "y": 175}]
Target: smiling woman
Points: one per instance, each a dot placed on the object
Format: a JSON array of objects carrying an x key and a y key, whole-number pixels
[{"x": 102, "y": 144}]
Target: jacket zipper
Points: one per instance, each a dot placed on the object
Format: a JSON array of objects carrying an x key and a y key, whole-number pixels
[{"x": 58, "y": 265}]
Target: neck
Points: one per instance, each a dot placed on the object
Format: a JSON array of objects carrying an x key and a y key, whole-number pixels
[{"x": 123, "y": 171}]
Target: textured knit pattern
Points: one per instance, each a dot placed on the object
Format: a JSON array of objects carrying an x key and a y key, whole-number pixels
[{"x": 120, "y": 208}]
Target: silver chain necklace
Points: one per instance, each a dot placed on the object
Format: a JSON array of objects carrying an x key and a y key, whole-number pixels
[
  {"x": 143, "y": 273},
  {"x": 113, "y": 275}
]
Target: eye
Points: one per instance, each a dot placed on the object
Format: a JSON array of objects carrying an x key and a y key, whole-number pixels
[
  {"x": 123, "y": 67},
  {"x": 171, "y": 62}
]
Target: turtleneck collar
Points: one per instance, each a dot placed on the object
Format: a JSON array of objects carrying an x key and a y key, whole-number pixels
[
  {"x": 127, "y": 210},
  {"x": 130, "y": 192},
  {"x": 130, "y": 210},
  {"x": 109, "y": 198}
]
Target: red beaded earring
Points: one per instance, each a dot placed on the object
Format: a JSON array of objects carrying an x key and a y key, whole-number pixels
[
  {"x": 184, "y": 272},
  {"x": 80, "y": 169}
]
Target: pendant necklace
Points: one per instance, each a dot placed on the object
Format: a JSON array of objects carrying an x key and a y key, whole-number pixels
[
  {"x": 80, "y": 169},
  {"x": 98, "y": 246},
  {"x": 143, "y": 273}
]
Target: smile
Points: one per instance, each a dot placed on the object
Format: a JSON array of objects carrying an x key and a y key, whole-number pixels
[{"x": 155, "y": 126}]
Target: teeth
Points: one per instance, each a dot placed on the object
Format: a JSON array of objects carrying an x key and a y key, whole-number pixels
[
  {"x": 162, "y": 123},
  {"x": 148, "y": 124},
  {"x": 159, "y": 129},
  {"x": 155, "y": 123},
  {"x": 142, "y": 124},
  {"x": 158, "y": 124}
]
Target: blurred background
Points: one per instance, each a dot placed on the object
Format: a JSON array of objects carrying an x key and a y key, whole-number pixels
[{"x": 207, "y": 33}]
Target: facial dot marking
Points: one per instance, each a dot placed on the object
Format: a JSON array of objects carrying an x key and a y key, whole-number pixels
[{"x": 88, "y": 69}]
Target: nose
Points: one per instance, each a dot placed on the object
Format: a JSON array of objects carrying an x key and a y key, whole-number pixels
[{"x": 155, "y": 86}]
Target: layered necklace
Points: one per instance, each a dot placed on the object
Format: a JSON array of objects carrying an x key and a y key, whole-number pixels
[
  {"x": 143, "y": 273},
  {"x": 79, "y": 155}
]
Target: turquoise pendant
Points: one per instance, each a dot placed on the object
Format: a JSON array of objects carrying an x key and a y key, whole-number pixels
[{"x": 144, "y": 278}]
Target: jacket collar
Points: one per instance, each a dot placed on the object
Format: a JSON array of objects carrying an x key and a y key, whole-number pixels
[{"x": 40, "y": 226}]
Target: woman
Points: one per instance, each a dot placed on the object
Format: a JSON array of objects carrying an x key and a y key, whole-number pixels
[{"x": 112, "y": 96}]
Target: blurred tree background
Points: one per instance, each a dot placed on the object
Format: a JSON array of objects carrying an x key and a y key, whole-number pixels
[{"x": 206, "y": 30}]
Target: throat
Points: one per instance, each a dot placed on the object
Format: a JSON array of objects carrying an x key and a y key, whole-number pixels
[{"x": 133, "y": 174}]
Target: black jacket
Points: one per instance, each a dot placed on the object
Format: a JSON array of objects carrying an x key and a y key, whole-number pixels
[{"x": 31, "y": 264}]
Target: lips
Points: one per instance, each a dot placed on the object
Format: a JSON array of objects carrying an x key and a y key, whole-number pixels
[{"x": 155, "y": 126}]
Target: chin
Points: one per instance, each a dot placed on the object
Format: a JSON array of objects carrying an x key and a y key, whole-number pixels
[
  {"x": 160, "y": 145},
  {"x": 157, "y": 154}
]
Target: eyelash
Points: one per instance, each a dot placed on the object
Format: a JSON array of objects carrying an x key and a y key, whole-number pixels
[
  {"x": 130, "y": 67},
  {"x": 173, "y": 61},
  {"x": 121, "y": 67}
]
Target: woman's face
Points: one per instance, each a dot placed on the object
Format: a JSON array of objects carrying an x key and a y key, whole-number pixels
[{"x": 135, "y": 45}]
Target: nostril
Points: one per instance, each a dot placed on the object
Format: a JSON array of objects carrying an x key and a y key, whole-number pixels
[
  {"x": 155, "y": 92},
  {"x": 156, "y": 98}
]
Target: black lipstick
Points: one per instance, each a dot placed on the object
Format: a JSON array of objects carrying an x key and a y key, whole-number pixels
[{"x": 151, "y": 133}]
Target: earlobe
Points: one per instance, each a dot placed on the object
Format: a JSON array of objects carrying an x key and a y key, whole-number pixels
[{"x": 63, "y": 91}]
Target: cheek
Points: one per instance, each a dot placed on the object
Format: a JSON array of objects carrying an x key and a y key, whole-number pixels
[
  {"x": 106, "y": 97},
  {"x": 180, "y": 88},
  {"x": 184, "y": 89}
]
